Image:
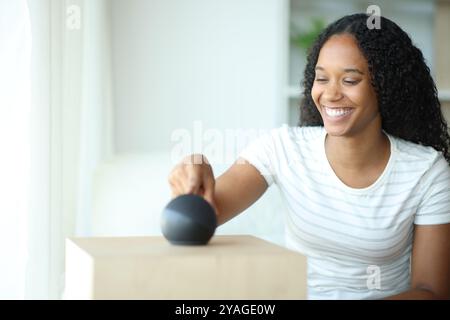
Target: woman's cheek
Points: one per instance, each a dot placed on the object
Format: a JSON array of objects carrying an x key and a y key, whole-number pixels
[
  {"x": 355, "y": 95},
  {"x": 315, "y": 95},
  {"x": 359, "y": 94}
]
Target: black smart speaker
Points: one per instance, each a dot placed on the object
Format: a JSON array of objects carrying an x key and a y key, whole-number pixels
[{"x": 188, "y": 220}]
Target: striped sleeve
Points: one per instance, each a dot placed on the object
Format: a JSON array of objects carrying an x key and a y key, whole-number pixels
[
  {"x": 435, "y": 205},
  {"x": 261, "y": 154}
]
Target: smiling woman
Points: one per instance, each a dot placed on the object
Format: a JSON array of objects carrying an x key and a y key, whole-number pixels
[
  {"x": 373, "y": 93},
  {"x": 342, "y": 85},
  {"x": 347, "y": 103},
  {"x": 393, "y": 75}
]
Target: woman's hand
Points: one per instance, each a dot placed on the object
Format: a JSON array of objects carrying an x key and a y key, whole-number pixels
[{"x": 193, "y": 175}]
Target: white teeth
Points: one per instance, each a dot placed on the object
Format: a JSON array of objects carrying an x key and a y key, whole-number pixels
[{"x": 337, "y": 112}]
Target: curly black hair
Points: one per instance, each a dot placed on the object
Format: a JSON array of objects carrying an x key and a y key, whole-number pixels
[{"x": 406, "y": 93}]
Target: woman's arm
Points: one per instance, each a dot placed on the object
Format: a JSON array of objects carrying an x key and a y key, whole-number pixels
[
  {"x": 430, "y": 265},
  {"x": 237, "y": 189}
]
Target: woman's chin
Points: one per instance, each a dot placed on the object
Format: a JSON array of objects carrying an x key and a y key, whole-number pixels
[{"x": 336, "y": 130}]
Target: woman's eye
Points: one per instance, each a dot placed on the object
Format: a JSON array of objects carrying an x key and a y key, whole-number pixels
[
  {"x": 351, "y": 82},
  {"x": 321, "y": 80}
]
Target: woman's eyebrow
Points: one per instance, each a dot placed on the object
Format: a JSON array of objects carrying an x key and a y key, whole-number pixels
[{"x": 355, "y": 70}]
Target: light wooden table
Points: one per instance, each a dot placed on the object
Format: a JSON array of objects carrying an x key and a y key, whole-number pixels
[{"x": 229, "y": 267}]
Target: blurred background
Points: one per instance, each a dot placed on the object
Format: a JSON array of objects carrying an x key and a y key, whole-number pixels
[{"x": 101, "y": 98}]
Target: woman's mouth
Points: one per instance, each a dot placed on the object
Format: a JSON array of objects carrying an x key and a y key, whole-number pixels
[{"x": 337, "y": 113}]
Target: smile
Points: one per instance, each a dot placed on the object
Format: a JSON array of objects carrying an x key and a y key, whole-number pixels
[{"x": 337, "y": 112}]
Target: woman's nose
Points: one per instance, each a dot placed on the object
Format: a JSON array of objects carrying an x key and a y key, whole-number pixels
[{"x": 332, "y": 92}]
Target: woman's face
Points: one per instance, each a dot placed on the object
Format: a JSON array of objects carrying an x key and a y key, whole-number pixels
[{"x": 342, "y": 89}]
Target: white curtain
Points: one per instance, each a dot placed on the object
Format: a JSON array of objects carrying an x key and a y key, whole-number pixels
[
  {"x": 55, "y": 128},
  {"x": 15, "y": 45}
]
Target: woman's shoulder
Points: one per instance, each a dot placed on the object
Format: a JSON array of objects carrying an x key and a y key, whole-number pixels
[
  {"x": 412, "y": 154},
  {"x": 414, "y": 150}
]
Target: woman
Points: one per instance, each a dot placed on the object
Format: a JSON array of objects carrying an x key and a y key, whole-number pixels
[{"x": 366, "y": 177}]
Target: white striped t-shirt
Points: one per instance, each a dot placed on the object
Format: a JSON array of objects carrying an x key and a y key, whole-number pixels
[{"x": 358, "y": 241}]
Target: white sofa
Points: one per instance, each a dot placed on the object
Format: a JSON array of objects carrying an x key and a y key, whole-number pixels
[{"x": 130, "y": 192}]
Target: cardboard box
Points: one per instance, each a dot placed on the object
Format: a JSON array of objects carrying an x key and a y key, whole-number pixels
[{"x": 229, "y": 267}]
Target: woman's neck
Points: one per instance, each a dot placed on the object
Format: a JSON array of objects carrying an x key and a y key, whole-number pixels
[{"x": 367, "y": 149}]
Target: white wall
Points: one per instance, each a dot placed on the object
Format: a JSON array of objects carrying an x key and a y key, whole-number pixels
[{"x": 176, "y": 61}]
